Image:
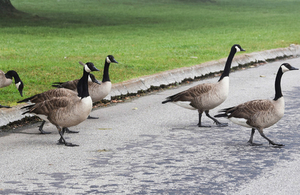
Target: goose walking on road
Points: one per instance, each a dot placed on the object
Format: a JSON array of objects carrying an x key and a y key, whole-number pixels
[
  {"x": 260, "y": 114},
  {"x": 207, "y": 96},
  {"x": 6, "y": 80},
  {"x": 67, "y": 111}
]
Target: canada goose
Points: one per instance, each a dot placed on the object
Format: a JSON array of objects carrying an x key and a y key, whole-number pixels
[
  {"x": 69, "y": 110},
  {"x": 58, "y": 93},
  {"x": 97, "y": 92},
  {"x": 207, "y": 96},
  {"x": 260, "y": 114},
  {"x": 6, "y": 80}
]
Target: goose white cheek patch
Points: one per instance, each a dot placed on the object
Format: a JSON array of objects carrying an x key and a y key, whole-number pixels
[
  {"x": 86, "y": 68},
  {"x": 237, "y": 49},
  {"x": 18, "y": 85},
  {"x": 108, "y": 60},
  {"x": 284, "y": 69}
]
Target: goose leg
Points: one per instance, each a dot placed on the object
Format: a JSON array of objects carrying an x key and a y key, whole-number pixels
[
  {"x": 92, "y": 117},
  {"x": 4, "y": 106},
  {"x": 41, "y": 128},
  {"x": 200, "y": 123},
  {"x": 270, "y": 141},
  {"x": 67, "y": 130},
  {"x": 219, "y": 124},
  {"x": 62, "y": 139},
  {"x": 251, "y": 139}
]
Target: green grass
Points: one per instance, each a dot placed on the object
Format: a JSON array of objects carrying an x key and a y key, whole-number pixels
[{"x": 145, "y": 36}]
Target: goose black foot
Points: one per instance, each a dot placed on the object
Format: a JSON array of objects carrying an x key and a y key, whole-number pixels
[
  {"x": 253, "y": 144},
  {"x": 276, "y": 145},
  {"x": 200, "y": 125},
  {"x": 92, "y": 117},
  {"x": 70, "y": 144},
  {"x": 67, "y": 130},
  {"x": 62, "y": 141},
  {"x": 222, "y": 124}
]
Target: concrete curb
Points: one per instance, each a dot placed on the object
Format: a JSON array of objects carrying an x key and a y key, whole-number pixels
[{"x": 173, "y": 76}]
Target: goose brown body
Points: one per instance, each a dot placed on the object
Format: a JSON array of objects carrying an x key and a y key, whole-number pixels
[
  {"x": 260, "y": 114},
  {"x": 64, "y": 111},
  {"x": 4, "y": 82},
  {"x": 204, "y": 97}
]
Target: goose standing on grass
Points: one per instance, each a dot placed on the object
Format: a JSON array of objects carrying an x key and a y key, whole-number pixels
[
  {"x": 97, "y": 92},
  {"x": 6, "y": 80},
  {"x": 69, "y": 110},
  {"x": 204, "y": 97},
  {"x": 260, "y": 114}
]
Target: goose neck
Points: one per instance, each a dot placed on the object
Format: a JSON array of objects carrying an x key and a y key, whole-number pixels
[
  {"x": 228, "y": 65},
  {"x": 278, "y": 93},
  {"x": 105, "y": 72},
  {"x": 82, "y": 86}
]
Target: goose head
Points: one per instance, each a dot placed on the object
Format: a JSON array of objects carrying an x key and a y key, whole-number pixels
[
  {"x": 287, "y": 67},
  {"x": 19, "y": 84},
  {"x": 89, "y": 67},
  {"x": 110, "y": 59},
  {"x": 237, "y": 48},
  {"x": 92, "y": 78}
]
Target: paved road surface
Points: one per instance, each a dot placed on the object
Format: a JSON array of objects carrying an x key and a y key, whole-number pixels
[{"x": 144, "y": 147}]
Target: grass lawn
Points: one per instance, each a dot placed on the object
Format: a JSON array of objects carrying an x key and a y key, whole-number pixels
[{"x": 145, "y": 36}]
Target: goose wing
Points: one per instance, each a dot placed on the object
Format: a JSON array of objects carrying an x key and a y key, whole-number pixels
[
  {"x": 72, "y": 85},
  {"x": 47, "y": 95},
  {"x": 248, "y": 109},
  {"x": 48, "y": 106},
  {"x": 191, "y": 93}
]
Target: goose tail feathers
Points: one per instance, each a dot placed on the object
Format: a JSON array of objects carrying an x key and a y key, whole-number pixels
[
  {"x": 226, "y": 112},
  {"x": 57, "y": 84}
]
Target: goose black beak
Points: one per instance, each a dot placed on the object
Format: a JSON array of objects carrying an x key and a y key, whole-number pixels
[
  {"x": 21, "y": 93},
  {"x": 96, "y": 81},
  {"x": 293, "y": 68}
]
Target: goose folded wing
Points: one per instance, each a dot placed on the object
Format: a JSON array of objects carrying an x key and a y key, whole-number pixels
[
  {"x": 48, "y": 106},
  {"x": 251, "y": 108},
  {"x": 191, "y": 93}
]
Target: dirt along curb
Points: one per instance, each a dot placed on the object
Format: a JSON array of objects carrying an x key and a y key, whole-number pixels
[{"x": 170, "y": 77}]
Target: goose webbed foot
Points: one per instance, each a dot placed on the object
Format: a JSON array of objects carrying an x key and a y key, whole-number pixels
[
  {"x": 221, "y": 124},
  {"x": 63, "y": 141},
  {"x": 41, "y": 128},
  {"x": 276, "y": 145},
  {"x": 200, "y": 125},
  {"x": 253, "y": 144},
  {"x": 67, "y": 130},
  {"x": 92, "y": 117}
]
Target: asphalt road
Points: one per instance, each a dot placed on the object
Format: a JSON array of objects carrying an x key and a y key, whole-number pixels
[{"x": 145, "y": 147}]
